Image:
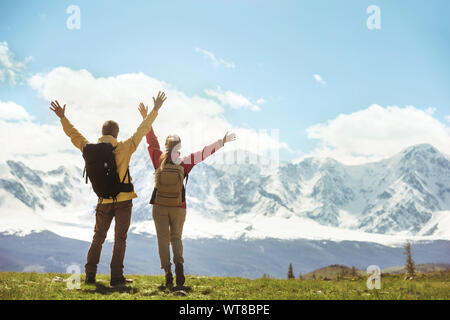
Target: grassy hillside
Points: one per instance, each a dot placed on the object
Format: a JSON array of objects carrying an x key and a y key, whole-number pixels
[
  {"x": 337, "y": 271},
  {"x": 424, "y": 268},
  {"x": 333, "y": 272},
  {"x": 16, "y": 285}
]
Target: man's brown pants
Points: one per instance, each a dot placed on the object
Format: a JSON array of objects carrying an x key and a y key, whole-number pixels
[
  {"x": 169, "y": 223},
  {"x": 121, "y": 211}
]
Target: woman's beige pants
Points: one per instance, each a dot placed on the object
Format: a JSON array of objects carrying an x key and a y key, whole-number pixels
[{"x": 169, "y": 223}]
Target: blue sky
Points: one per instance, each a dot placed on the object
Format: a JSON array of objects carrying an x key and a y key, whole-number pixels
[{"x": 276, "y": 48}]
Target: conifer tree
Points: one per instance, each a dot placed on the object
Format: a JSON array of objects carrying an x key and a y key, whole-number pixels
[
  {"x": 354, "y": 273},
  {"x": 290, "y": 274},
  {"x": 410, "y": 266}
]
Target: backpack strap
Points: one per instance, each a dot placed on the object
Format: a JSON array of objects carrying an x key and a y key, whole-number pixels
[
  {"x": 84, "y": 173},
  {"x": 127, "y": 174},
  {"x": 152, "y": 199},
  {"x": 126, "y": 187},
  {"x": 183, "y": 191}
]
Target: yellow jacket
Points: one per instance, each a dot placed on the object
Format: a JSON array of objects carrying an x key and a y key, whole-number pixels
[{"x": 123, "y": 151}]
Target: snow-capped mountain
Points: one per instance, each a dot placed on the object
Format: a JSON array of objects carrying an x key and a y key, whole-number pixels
[
  {"x": 39, "y": 190},
  {"x": 406, "y": 195}
]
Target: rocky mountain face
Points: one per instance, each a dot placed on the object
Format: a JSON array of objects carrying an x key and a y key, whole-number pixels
[
  {"x": 399, "y": 194},
  {"x": 39, "y": 190}
]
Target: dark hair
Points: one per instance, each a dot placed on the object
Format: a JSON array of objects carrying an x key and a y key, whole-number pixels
[{"x": 110, "y": 128}]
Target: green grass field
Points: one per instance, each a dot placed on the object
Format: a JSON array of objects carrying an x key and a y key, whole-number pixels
[{"x": 17, "y": 285}]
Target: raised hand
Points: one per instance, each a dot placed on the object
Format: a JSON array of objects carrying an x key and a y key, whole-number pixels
[
  {"x": 159, "y": 100},
  {"x": 57, "y": 109},
  {"x": 229, "y": 137},
  {"x": 143, "y": 110}
]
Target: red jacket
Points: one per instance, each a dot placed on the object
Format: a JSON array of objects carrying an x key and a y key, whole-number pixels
[{"x": 187, "y": 162}]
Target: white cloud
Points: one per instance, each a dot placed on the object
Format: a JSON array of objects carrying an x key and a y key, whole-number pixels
[
  {"x": 260, "y": 101},
  {"x": 319, "y": 79},
  {"x": 12, "y": 111},
  {"x": 232, "y": 99},
  {"x": 215, "y": 61},
  {"x": 11, "y": 70},
  {"x": 92, "y": 100},
  {"x": 430, "y": 110},
  {"x": 447, "y": 118},
  {"x": 378, "y": 132},
  {"x": 21, "y": 138}
]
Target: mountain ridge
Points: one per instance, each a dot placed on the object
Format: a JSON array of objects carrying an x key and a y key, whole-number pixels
[{"x": 403, "y": 194}]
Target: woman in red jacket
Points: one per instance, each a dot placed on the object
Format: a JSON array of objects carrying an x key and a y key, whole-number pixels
[{"x": 169, "y": 220}]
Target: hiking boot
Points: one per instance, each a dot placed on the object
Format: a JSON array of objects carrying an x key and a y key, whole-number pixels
[
  {"x": 90, "y": 278},
  {"x": 120, "y": 281},
  {"x": 179, "y": 273},
  {"x": 169, "y": 280}
]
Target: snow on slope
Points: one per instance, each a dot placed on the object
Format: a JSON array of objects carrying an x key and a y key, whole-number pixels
[
  {"x": 33, "y": 200},
  {"x": 406, "y": 196}
]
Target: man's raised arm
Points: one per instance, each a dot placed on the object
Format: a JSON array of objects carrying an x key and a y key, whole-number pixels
[
  {"x": 76, "y": 137},
  {"x": 147, "y": 122}
]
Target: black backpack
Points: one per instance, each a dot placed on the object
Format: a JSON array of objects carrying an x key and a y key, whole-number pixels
[{"x": 101, "y": 168}]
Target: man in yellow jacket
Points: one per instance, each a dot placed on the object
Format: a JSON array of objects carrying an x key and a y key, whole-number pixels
[{"x": 108, "y": 208}]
